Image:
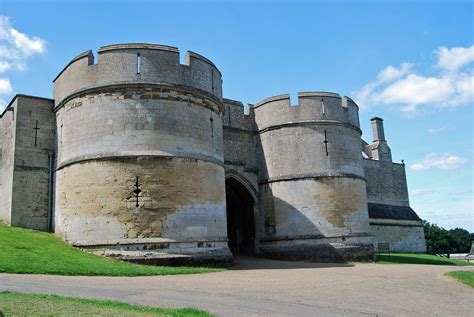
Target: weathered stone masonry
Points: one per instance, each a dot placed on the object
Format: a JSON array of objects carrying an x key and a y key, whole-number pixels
[{"x": 140, "y": 157}]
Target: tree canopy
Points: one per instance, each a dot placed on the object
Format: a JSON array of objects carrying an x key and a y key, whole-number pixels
[{"x": 445, "y": 242}]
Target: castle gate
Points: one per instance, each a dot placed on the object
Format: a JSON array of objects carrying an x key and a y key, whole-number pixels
[{"x": 240, "y": 218}]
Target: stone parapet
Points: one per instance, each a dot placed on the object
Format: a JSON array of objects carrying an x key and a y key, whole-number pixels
[
  {"x": 312, "y": 107},
  {"x": 137, "y": 63}
]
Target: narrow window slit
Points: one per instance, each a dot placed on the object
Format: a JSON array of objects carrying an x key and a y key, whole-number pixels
[
  {"x": 36, "y": 133},
  {"x": 61, "y": 134},
  {"x": 138, "y": 63},
  {"x": 323, "y": 107},
  {"x": 326, "y": 142},
  {"x": 212, "y": 80},
  {"x": 212, "y": 127},
  {"x": 137, "y": 192}
]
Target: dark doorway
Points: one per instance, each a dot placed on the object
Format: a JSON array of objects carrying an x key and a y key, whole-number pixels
[{"x": 240, "y": 218}]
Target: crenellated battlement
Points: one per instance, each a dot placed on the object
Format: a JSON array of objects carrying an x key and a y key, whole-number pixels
[
  {"x": 236, "y": 117},
  {"x": 312, "y": 106},
  {"x": 137, "y": 64}
]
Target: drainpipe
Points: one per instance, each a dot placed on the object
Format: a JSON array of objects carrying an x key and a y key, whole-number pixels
[{"x": 50, "y": 189}]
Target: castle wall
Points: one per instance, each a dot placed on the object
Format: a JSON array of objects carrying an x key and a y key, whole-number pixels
[
  {"x": 392, "y": 222},
  {"x": 166, "y": 131},
  {"x": 8, "y": 130},
  {"x": 386, "y": 182},
  {"x": 313, "y": 204},
  {"x": 240, "y": 142},
  {"x": 182, "y": 199},
  {"x": 399, "y": 235},
  {"x": 26, "y": 161},
  {"x": 145, "y": 120}
]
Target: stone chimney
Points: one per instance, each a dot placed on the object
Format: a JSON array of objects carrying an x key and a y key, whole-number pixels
[
  {"x": 380, "y": 149},
  {"x": 377, "y": 127}
]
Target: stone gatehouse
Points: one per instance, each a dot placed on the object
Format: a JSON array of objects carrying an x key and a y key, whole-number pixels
[{"x": 140, "y": 157}]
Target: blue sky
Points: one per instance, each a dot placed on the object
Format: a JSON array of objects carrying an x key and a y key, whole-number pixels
[{"x": 410, "y": 62}]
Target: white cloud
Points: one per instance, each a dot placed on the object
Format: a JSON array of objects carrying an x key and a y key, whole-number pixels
[
  {"x": 450, "y": 213},
  {"x": 4, "y": 66},
  {"x": 26, "y": 44},
  {"x": 454, "y": 58},
  {"x": 435, "y": 131},
  {"x": 443, "y": 162},
  {"x": 388, "y": 74},
  {"x": 5, "y": 86},
  {"x": 453, "y": 86},
  {"x": 391, "y": 73},
  {"x": 461, "y": 191},
  {"x": 15, "y": 48},
  {"x": 415, "y": 90},
  {"x": 421, "y": 191}
]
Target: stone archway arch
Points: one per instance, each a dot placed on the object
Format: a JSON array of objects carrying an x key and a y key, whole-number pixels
[
  {"x": 241, "y": 200},
  {"x": 237, "y": 176}
]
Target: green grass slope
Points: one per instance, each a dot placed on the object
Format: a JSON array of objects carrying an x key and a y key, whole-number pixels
[
  {"x": 466, "y": 277},
  {"x": 36, "y": 252},
  {"x": 19, "y": 304},
  {"x": 418, "y": 258}
]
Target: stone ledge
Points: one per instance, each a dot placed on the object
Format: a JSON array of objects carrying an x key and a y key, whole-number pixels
[
  {"x": 175, "y": 256},
  {"x": 118, "y": 242},
  {"x": 121, "y": 156},
  {"x": 297, "y": 177},
  {"x": 118, "y": 86},
  {"x": 309, "y": 122},
  {"x": 315, "y": 237}
]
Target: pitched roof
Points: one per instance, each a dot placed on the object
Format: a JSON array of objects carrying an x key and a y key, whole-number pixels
[{"x": 382, "y": 211}]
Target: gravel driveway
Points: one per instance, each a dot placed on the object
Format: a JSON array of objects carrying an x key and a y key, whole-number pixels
[{"x": 259, "y": 287}]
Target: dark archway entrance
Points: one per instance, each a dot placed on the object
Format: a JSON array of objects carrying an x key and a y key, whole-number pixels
[{"x": 240, "y": 218}]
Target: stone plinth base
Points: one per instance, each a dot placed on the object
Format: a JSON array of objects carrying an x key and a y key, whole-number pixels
[
  {"x": 165, "y": 252},
  {"x": 321, "y": 250}
]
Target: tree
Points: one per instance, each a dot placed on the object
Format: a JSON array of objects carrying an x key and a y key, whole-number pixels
[
  {"x": 444, "y": 242},
  {"x": 462, "y": 240}
]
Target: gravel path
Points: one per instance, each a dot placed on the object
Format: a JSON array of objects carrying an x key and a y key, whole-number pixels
[{"x": 259, "y": 287}]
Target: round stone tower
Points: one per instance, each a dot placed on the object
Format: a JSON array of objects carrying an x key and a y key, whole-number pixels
[
  {"x": 312, "y": 185},
  {"x": 140, "y": 156}
]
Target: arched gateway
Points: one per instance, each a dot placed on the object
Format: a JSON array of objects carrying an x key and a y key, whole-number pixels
[{"x": 240, "y": 202}]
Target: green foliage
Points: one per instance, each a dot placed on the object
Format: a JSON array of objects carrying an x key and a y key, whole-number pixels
[
  {"x": 466, "y": 277},
  {"x": 19, "y": 304},
  {"x": 36, "y": 252},
  {"x": 418, "y": 258},
  {"x": 442, "y": 241},
  {"x": 461, "y": 239}
]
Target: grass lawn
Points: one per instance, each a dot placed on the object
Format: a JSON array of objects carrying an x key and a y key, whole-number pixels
[
  {"x": 466, "y": 277},
  {"x": 36, "y": 252},
  {"x": 418, "y": 258},
  {"x": 20, "y": 304}
]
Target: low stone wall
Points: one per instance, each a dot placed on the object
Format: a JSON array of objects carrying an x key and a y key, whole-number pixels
[{"x": 401, "y": 236}]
